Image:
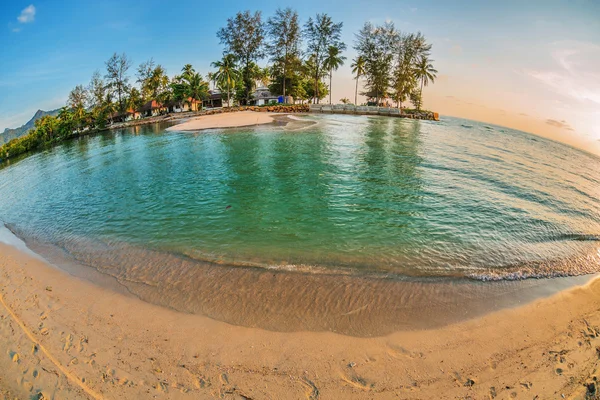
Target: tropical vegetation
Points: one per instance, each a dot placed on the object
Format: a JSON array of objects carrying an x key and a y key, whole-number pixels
[{"x": 300, "y": 63}]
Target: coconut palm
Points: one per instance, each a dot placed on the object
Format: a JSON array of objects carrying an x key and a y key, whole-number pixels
[
  {"x": 187, "y": 71},
  {"x": 332, "y": 62},
  {"x": 196, "y": 88},
  {"x": 210, "y": 77},
  {"x": 424, "y": 72},
  {"x": 264, "y": 76},
  {"x": 227, "y": 74},
  {"x": 358, "y": 68}
]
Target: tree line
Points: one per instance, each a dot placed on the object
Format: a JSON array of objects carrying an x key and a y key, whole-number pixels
[{"x": 301, "y": 60}]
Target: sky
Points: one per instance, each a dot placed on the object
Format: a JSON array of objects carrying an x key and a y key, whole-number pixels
[{"x": 530, "y": 65}]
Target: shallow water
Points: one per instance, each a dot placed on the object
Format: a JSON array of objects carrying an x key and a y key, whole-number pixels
[
  {"x": 373, "y": 195},
  {"x": 359, "y": 225}
]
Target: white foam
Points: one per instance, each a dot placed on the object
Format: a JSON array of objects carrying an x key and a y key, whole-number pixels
[{"x": 9, "y": 238}]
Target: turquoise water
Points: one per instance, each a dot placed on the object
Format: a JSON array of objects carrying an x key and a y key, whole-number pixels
[{"x": 368, "y": 195}]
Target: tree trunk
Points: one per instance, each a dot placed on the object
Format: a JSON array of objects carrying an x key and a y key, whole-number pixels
[
  {"x": 330, "y": 75},
  {"x": 356, "y": 92},
  {"x": 284, "y": 82},
  {"x": 420, "y": 96},
  {"x": 228, "y": 103},
  {"x": 316, "y": 94}
]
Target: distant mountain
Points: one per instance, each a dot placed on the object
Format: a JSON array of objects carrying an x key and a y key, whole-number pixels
[{"x": 10, "y": 134}]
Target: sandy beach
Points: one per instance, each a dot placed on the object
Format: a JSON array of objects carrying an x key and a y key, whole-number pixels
[
  {"x": 225, "y": 120},
  {"x": 68, "y": 339}
]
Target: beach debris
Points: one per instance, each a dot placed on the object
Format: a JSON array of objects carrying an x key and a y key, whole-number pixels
[
  {"x": 493, "y": 393},
  {"x": 228, "y": 207},
  {"x": 352, "y": 364},
  {"x": 49, "y": 288},
  {"x": 559, "y": 371},
  {"x": 469, "y": 383},
  {"x": 39, "y": 396},
  {"x": 15, "y": 357},
  {"x": 590, "y": 389},
  {"x": 527, "y": 385}
]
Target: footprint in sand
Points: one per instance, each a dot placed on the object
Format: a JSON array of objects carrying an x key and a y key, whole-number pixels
[
  {"x": 28, "y": 386},
  {"x": 14, "y": 356},
  {"x": 68, "y": 341},
  {"x": 224, "y": 379},
  {"x": 358, "y": 382},
  {"x": 83, "y": 340},
  {"x": 312, "y": 392},
  {"x": 401, "y": 352}
]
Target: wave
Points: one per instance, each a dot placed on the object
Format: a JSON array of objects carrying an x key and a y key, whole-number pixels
[
  {"x": 578, "y": 237},
  {"x": 121, "y": 260},
  {"x": 586, "y": 264}
]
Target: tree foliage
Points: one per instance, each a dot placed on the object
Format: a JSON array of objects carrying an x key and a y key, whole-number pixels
[
  {"x": 321, "y": 33},
  {"x": 243, "y": 36},
  {"x": 284, "y": 44},
  {"x": 392, "y": 65},
  {"x": 116, "y": 75},
  {"x": 227, "y": 75}
]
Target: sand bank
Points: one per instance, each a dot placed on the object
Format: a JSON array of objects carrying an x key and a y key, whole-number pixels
[
  {"x": 225, "y": 120},
  {"x": 67, "y": 338}
]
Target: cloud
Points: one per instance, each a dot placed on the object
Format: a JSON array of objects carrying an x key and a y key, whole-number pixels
[
  {"x": 574, "y": 74},
  {"x": 559, "y": 124},
  {"x": 524, "y": 115},
  {"x": 16, "y": 30},
  {"x": 27, "y": 15}
]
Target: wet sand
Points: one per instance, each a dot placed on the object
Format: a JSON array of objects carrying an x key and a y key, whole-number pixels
[
  {"x": 67, "y": 338},
  {"x": 225, "y": 120},
  {"x": 276, "y": 298}
]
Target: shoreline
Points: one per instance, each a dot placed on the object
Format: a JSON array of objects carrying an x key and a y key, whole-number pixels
[
  {"x": 353, "y": 304},
  {"x": 198, "y": 115},
  {"x": 67, "y": 338},
  {"x": 223, "y": 121}
]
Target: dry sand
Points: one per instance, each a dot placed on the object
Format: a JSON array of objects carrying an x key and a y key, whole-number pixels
[
  {"x": 225, "y": 120},
  {"x": 69, "y": 339}
]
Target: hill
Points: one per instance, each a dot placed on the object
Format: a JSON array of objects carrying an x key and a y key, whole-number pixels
[{"x": 10, "y": 134}]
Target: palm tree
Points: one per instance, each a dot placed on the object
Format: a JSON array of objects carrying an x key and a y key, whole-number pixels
[
  {"x": 187, "y": 71},
  {"x": 196, "y": 88},
  {"x": 264, "y": 76},
  {"x": 358, "y": 68},
  {"x": 333, "y": 61},
  {"x": 227, "y": 75},
  {"x": 210, "y": 77},
  {"x": 109, "y": 107},
  {"x": 425, "y": 72}
]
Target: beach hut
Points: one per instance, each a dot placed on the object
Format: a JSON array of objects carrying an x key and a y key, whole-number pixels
[{"x": 152, "y": 109}]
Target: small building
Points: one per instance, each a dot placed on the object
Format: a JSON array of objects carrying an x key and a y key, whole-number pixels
[
  {"x": 185, "y": 106},
  {"x": 152, "y": 109},
  {"x": 263, "y": 96},
  {"x": 125, "y": 116},
  {"x": 214, "y": 99}
]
